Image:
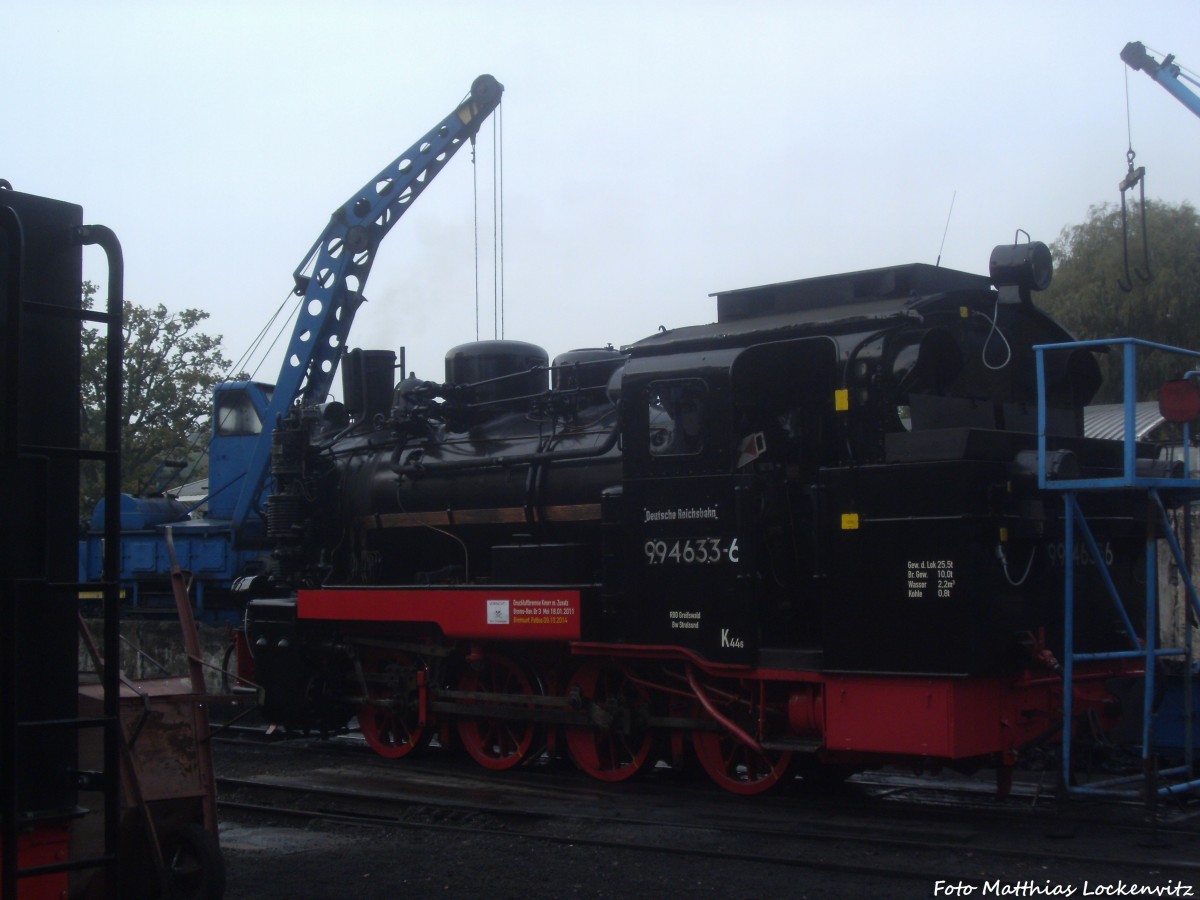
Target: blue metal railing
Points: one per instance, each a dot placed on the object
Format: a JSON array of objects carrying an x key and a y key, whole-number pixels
[
  {"x": 1146, "y": 647},
  {"x": 1129, "y": 476}
]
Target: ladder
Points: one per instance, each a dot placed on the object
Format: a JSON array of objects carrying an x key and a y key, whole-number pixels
[{"x": 41, "y": 451}]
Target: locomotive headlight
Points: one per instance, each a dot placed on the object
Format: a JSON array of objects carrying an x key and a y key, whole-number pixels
[{"x": 1027, "y": 267}]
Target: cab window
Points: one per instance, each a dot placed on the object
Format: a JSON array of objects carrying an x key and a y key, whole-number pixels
[
  {"x": 236, "y": 414},
  {"x": 677, "y": 411}
]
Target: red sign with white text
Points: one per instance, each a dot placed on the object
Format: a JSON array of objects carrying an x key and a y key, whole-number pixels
[{"x": 473, "y": 614}]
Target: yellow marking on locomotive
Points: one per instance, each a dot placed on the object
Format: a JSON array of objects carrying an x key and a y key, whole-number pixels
[
  {"x": 841, "y": 400},
  {"x": 849, "y": 521}
]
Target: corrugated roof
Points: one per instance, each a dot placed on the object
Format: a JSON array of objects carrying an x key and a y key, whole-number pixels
[{"x": 1107, "y": 420}]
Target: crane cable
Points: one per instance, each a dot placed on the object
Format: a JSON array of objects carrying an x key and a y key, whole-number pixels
[
  {"x": 1184, "y": 73},
  {"x": 1133, "y": 176},
  {"x": 497, "y": 225},
  {"x": 475, "y": 208},
  {"x": 498, "y": 219},
  {"x": 256, "y": 346}
]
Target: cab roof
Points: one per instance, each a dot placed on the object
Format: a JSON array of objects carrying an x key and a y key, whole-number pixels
[{"x": 827, "y": 291}]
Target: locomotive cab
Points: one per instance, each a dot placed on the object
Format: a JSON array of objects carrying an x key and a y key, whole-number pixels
[
  {"x": 717, "y": 449},
  {"x": 830, "y": 477}
]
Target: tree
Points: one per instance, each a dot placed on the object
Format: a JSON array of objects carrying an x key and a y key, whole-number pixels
[
  {"x": 1085, "y": 296},
  {"x": 170, "y": 370}
]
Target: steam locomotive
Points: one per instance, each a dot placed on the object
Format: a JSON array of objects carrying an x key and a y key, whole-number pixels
[{"x": 808, "y": 534}]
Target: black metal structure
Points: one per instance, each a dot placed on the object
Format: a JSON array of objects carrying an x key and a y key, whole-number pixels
[{"x": 40, "y": 455}]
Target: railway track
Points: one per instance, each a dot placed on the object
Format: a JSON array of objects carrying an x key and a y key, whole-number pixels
[
  {"x": 1033, "y": 795},
  {"x": 434, "y": 818},
  {"x": 876, "y": 829}
]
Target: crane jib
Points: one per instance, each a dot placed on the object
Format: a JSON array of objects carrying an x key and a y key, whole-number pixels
[{"x": 341, "y": 260}]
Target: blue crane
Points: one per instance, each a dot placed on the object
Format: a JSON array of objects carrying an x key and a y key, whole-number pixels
[
  {"x": 1166, "y": 73},
  {"x": 230, "y": 540},
  {"x": 342, "y": 257}
]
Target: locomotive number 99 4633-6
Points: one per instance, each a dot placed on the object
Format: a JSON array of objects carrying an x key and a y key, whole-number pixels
[{"x": 691, "y": 551}]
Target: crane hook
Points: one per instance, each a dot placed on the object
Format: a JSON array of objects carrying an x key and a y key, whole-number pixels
[{"x": 1134, "y": 177}]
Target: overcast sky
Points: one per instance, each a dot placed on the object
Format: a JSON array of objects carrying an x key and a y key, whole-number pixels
[{"x": 654, "y": 152}]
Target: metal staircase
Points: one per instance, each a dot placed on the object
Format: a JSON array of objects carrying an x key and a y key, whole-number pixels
[{"x": 1163, "y": 488}]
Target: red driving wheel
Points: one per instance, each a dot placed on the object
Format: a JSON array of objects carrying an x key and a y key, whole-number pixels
[
  {"x": 616, "y": 747},
  {"x": 495, "y": 743},
  {"x": 737, "y": 767},
  {"x": 392, "y": 726}
]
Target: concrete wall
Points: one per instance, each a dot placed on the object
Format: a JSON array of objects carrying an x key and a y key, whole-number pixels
[{"x": 161, "y": 646}]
